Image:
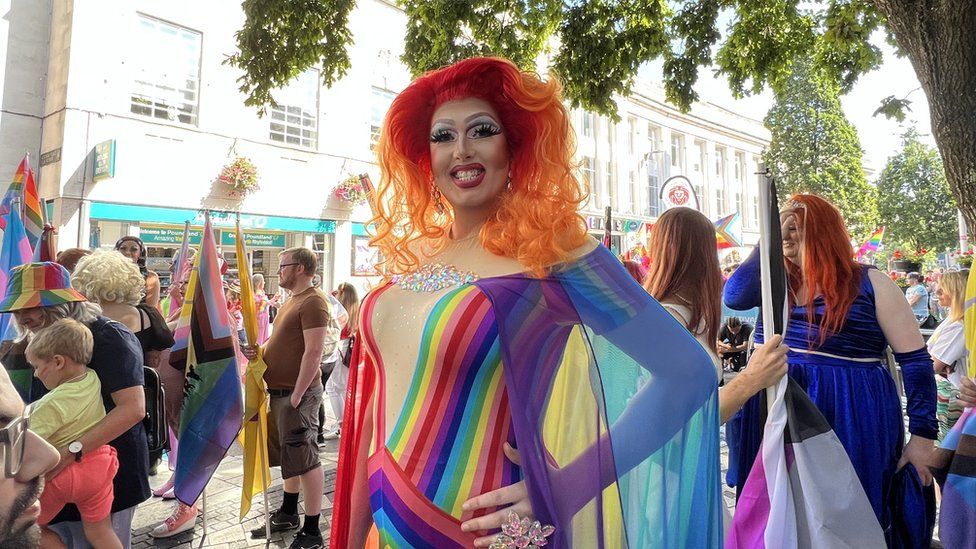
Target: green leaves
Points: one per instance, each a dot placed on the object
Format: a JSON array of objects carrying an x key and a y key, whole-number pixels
[
  {"x": 815, "y": 149},
  {"x": 441, "y": 32},
  {"x": 603, "y": 43},
  {"x": 283, "y": 38},
  {"x": 595, "y": 46},
  {"x": 893, "y": 108},
  {"x": 914, "y": 197}
]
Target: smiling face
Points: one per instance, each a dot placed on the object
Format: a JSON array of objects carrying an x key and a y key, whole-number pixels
[
  {"x": 469, "y": 156},
  {"x": 792, "y": 237}
]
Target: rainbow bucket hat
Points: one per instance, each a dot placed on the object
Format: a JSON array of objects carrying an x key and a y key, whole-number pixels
[{"x": 38, "y": 285}]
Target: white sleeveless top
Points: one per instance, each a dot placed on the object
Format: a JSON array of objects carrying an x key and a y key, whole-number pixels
[{"x": 683, "y": 314}]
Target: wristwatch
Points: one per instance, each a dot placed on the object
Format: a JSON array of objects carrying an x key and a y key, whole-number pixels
[{"x": 75, "y": 448}]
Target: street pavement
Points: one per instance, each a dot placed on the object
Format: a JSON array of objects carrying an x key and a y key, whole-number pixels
[{"x": 223, "y": 508}]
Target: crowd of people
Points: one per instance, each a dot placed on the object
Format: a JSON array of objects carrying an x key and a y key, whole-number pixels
[
  {"x": 509, "y": 382},
  {"x": 95, "y": 332}
]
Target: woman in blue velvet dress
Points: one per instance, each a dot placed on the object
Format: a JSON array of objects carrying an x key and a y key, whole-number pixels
[{"x": 843, "y": 316}]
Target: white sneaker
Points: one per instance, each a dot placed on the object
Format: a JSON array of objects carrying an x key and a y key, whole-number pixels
[
  {"x": 332, "y": 435},
  {"x": 184, "y": 517}
]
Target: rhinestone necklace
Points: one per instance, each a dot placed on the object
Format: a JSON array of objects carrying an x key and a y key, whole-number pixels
[{"x": 433, "y": 277}]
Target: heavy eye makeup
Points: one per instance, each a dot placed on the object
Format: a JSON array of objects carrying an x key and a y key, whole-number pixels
[{"x": 477, "y": 129}]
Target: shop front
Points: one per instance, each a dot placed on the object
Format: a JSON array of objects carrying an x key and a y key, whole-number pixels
[
  {"x": 620, "y": 229},
  {"x": 161, "y": 229}
]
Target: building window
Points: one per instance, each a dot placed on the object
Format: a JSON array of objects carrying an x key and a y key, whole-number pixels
[
  {"x": 702, "y": 198},
  {"x": 754, "y": 213},
  {"x": 611, "y": 129},
  {"x": 381, "y": 100},
  {"x": 739, "y": 205},
  {"x": 698, "y": 162},
  {"x": 739, "y": 168},
  {"x": 631, "y": 134},
  {"x": 719, "y": 202},
  {"x": 166, "y": 61},
  {"x": 588, "y": 170},
  {"x": 632, "y": 191},
  {"x": 720, "y": 164},
  {"x": 611, "y": 186},
  {"x": 653, "y": 195},
  {"x": 295, "y": 120},
  {"x": 677, "y": 152},
  {"x": 587, "y": 124}
]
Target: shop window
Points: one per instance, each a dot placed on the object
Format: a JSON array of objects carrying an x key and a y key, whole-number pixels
[
  {"x": 166, "y": 60},
  {"x": 295, "y": 119}
]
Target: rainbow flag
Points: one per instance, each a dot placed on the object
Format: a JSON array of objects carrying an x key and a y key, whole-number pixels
[
  {"x": 728, "y": 231},
  {"x": 257, "y": 475},
  {"x": 23, "y": 190},
  {"x": 955, "y": 463},
  {"x": 15, "y": 251},
  {"x": 212, "y": 404},
  {"x": 46, "y": 249},
  {"x": 872, "y": 243}
]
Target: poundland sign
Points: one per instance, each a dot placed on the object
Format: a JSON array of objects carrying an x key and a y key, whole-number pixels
[{"x": 161, "y": 234}]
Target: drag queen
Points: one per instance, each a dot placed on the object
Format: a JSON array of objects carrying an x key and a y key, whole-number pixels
[
  {"x": 509, "y": 364},
  {"x": 844, "y": 315}
]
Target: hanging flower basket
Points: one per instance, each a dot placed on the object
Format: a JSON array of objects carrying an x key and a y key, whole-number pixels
[
  {"x": 963, "y": 258},
  {"x": 241, "y": 176},
  {"x": 355, "y": 189}
]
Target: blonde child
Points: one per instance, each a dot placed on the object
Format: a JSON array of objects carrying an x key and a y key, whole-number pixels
[{"x": 59, "y": 355}]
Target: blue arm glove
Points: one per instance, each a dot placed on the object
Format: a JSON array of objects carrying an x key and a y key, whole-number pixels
[
  {"x": 743, "y": 290},
  {"x": 916, "y": 369}
]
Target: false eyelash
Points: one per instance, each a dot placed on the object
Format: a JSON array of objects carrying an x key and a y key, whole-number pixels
[
  {"x": 440, "y": 136},
  {"x": 486, "y": 129}
]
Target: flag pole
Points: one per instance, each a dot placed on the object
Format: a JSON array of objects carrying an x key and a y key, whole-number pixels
[{"x": 204, "y": 507}]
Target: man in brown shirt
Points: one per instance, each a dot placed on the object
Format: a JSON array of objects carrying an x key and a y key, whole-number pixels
[{"x": 292, "y": 354}]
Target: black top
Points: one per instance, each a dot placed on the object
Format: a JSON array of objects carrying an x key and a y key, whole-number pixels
[
  {"x": 157, "y": 335},
  {"x": 726, "y": 335},
  {"x": 117, "y": 360}
]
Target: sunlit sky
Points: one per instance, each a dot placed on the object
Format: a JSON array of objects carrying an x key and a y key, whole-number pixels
[{"x": 880, "y": 137}]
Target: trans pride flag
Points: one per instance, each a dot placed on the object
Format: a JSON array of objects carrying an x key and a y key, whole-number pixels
[
  {"x": 728, "y": 231},
  {"x": 955, "y": 461},
  {"x": 212, "y": 404},
  {"x": 802, "y": 491}
]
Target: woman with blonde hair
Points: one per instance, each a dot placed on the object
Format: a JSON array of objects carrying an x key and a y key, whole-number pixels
[
  {"x": 502, "y": 325},
  {"x": 947, "y": 346}
]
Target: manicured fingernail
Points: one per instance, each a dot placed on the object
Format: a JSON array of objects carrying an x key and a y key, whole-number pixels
[{"x": 464, "y": 526}]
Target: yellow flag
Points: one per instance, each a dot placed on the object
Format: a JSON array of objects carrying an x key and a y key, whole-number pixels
[
  {"x": 970, "y": 320},
  {"x": 257, "y": 476}
]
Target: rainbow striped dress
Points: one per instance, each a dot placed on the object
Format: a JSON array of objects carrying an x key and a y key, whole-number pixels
[
  {"x": 446, "y": 446},
  {"x": 613, "y": 405}
]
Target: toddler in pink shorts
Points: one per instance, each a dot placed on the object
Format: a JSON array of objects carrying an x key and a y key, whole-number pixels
[{"x": 59, "y": 355}]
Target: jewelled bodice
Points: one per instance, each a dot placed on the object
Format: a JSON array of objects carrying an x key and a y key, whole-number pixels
[{"x": 443, "y": 412}]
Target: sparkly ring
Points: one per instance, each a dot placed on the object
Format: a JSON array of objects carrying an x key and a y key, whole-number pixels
[{"x": 521, "y": 533}]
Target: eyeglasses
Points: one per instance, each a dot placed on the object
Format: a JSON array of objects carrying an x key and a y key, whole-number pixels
[
  {"x": 13, "y": 444},
  {"x": 283, "y": 265}
]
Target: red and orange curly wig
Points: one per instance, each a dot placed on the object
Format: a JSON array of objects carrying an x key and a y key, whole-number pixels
[
  {"x": 536, "y": 222},
  {"x": 828, "y": 265}
]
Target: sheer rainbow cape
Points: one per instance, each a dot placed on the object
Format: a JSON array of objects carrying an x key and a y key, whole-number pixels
[{"x": 614, "y": 406}]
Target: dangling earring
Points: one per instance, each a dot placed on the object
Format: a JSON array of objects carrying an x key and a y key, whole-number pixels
[
  {"x": 508, "y": 182},
  {"x": 438, "y": 205}
]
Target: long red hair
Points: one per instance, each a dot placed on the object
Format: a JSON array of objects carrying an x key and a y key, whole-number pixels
[
  {"x": 828, "y": 265},
  {"x": 684, "y": 264},
  {"x": 536, "y": 222}
]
